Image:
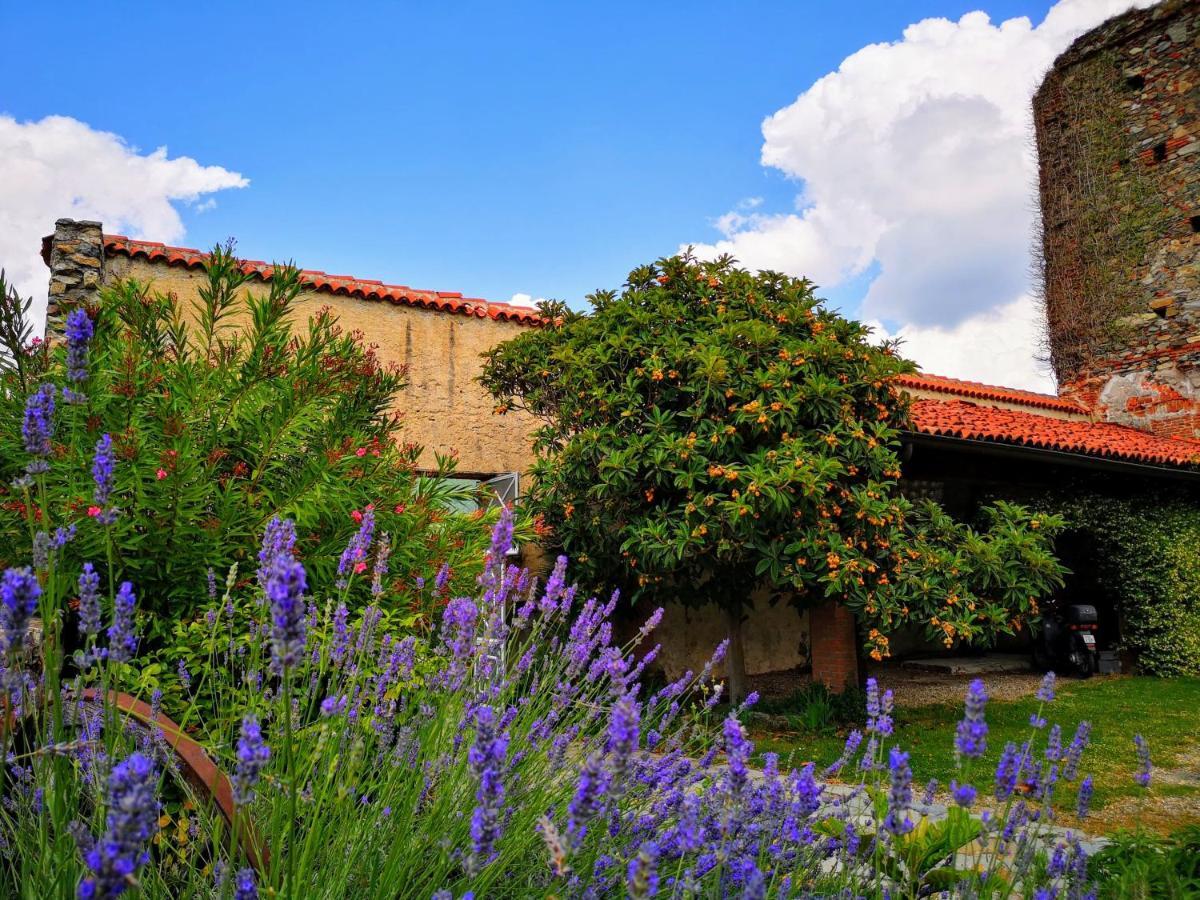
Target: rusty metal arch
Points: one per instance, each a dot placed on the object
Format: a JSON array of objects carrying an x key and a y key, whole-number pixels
[{"x": 197, "y": 767}]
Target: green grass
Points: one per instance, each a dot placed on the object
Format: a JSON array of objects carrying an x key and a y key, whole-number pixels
[{"x": 1163, "y": 711}]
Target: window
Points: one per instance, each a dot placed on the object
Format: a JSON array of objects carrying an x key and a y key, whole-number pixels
[
  {"x": 1135, "y": 82},
  {"x": 1194, "y": 221},
  {"x": 1160, "y": 152},
  {"x": 484, "y": 492}
]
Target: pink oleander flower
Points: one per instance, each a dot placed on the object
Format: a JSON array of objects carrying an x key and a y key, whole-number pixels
[{"x": 160, "y": 474}]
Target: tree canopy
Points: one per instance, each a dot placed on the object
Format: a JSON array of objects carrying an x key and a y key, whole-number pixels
[{"x": 707, "y": 429}]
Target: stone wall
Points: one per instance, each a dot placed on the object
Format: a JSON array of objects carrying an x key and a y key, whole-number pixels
[
  {"x": 775, "y": 637},
  {"x": 1118, "y": 134},
  {"x": 444, "y": 408},
  {"x": 76, "y": 263}
]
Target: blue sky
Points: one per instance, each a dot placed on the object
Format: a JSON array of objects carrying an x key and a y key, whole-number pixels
[
  {"x": 545, "y": 148},
  {"x": 489, "y": 148}
]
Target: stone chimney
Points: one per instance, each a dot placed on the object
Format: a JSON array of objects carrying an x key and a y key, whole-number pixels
[{"x": 75, "y": 256}]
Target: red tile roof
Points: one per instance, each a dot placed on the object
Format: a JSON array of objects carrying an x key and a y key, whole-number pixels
[
  {"x": 974, "y": 390},
  {"x": 964, "y": 419},
  {"x": 346, "y": 285}
]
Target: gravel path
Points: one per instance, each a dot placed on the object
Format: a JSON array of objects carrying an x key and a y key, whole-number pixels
[{"x": 913, "y": 687}]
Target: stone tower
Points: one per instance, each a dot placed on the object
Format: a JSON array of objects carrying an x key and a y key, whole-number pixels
[{"x": 1117, "y": 120}]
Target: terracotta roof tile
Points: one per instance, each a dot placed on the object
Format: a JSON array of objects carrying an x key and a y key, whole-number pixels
[
  {"x": 345, "y": 285},
  {"x": 964, "y": 419},
  {"x": 974, "y": 389}
]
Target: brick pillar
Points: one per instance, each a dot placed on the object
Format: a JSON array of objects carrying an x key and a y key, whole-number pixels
[
  {"x": 76, "y": 270},
  {"x": 834, "y": 646}
]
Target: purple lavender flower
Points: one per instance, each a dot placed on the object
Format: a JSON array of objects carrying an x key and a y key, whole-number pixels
[
  {"x": 588, "y": 800},
  {"x": 1045, "y": 693},
  {"x": 970, "y": 740},
  {"x": 245, "y": 885},
  {"x": 341, "y": 634},
  {"x": 487, "y": 759},
  {"x": 963, "y": 794},
  {"x": 554, "y": 587},
  {"x": 624, "y": 731},
  {"x": 38, "y": 428},
  {"x": 853, "y": 740},
  {"x": 103, "y": 464},
  {"x": 1085, "y": 797},
  {"x": 131, "y": 821},
  {"x": 355, "y": 555},
  {"x": 62, "y": 537},
  {"x": 122, "y": 635},
  {"x": 1075, "y": 751},
  {"x": 285, "y": 587},
  {"x": 458, "y": 626},
  {"x": 1143, "y": 754},
  {"x": 900, "y": 795},
  {"x": 1054, "y": 744},
  {"x": 278, "y": 542},
  {"x": 185, "y": 677},
  {"x": 252, "y": 757},
  {"x": 1007, "y": 770},
  {"x": 441, "y": 579},
  {"x": 642, "y": 875},
  {"x": 381, "y": 565},
  {"x": 89, "y": 601},
  {"x": 79, "y": 332},
  {"x": 502, "y": 537},
  {"x": 19, "y": 593},
  {"x": 930, "y": 792},
  {"x": 737, "y": 749}
]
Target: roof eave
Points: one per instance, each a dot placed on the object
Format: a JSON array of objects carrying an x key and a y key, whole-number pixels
[{"x": 1046, "y": 455}]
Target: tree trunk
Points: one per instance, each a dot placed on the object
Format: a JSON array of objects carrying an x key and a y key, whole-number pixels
[{"x": 735, "y": 658}]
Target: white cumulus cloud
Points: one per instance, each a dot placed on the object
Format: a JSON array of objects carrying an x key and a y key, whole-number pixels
[
  {"x": 996, "y": 347},
  {"x": 59, "y": 167},
  {"x": 916, "y": 157},
  {"x": 529, "y": 300}
]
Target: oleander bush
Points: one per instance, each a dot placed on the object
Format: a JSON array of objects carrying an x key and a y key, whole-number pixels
[{"x": 212, "y": 420}]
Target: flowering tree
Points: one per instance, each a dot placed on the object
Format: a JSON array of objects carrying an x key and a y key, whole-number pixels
[{"x": 708, "y": 429}]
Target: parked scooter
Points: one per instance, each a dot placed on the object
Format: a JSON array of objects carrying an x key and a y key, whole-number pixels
[{"x": 1067, "y": 642}]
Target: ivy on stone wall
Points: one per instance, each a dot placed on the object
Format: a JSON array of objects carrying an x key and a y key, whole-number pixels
[
  {"x": 1148, "y": 557},
  {"x": 1100, "y": 212}
]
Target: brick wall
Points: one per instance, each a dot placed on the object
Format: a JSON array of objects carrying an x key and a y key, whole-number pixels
[
  {"x": 1118, "y": 133},
  {"x": 834, "y": 642}
]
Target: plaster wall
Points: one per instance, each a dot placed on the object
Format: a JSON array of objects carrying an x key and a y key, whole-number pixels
[{"x": 445, "y": 409}]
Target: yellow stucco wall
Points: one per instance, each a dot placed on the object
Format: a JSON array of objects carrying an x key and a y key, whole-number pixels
[{"x": 444, "y": 407}]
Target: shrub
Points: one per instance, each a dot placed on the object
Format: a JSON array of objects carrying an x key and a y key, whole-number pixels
[
  {"x": 1147, "y": 562},
  {"x": 708, "y": 427},
  {"x": 1142, "y": 866},
  {"x": 216, "y": 419}
]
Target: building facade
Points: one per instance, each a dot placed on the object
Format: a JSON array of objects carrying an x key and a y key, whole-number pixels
[{"x": 437, "y": 336}]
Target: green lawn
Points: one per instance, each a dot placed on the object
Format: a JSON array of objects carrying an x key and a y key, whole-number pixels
[{"x": 1165, "y": 712}]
